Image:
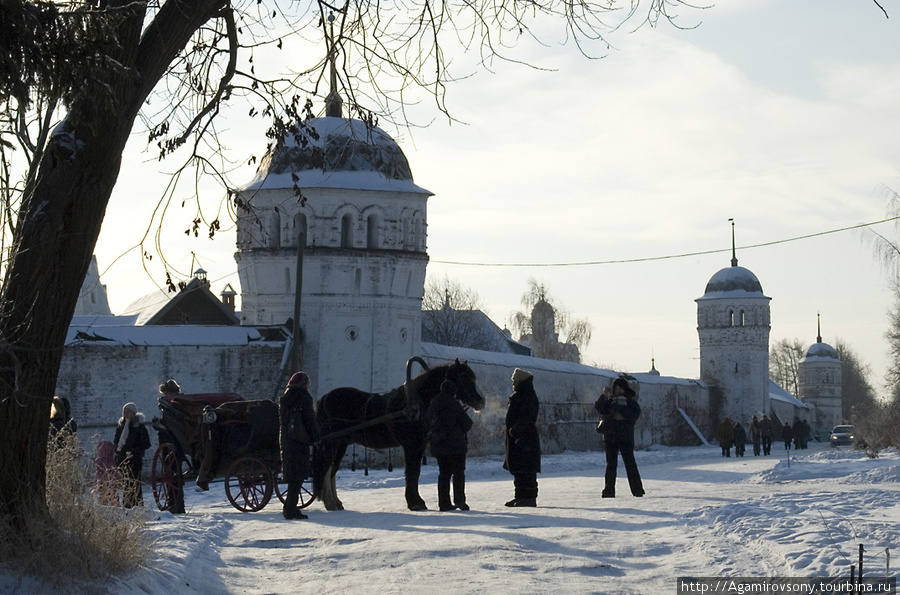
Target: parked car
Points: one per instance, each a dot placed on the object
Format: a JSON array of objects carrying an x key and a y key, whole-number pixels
[{"x": 842, "y": 435}]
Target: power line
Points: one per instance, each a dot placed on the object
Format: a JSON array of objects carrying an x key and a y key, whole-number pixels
[{"x": 654, "y": 258}]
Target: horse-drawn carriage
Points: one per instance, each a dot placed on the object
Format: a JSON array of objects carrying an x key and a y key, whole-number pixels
[
  {"x": 222, "y": 435},
  {"x": 214, "y": 435}
]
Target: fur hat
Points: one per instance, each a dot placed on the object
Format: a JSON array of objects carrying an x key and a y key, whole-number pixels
[
  {"x": 520, "y": 375},
  {"x": 621, "y": 382},
  {"x": 131, "y": 407},
  {"x": 300, "y": 379},
  {"x": 170, "y": 386}
]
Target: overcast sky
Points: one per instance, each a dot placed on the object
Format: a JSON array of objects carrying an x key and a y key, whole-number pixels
[{"x": 782, "y": 115}]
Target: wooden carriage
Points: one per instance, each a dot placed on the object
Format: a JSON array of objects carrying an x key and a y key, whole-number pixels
[{"x": 218, "y": 435}]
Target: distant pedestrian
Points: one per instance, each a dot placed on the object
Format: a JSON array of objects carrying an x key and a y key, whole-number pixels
[
  {"x": 797, "y": 430},
  {"x": 755, "y": 435},
  {"x": 619, "y": 408},
  {"x": 787, "y": 435},
  {"x": 740, "y": 439},
  {"x": 298, "y": 430},
  {"x": 726, "y": 436},
  {"x": 767, "y": 434},
  {"x": 523, "y": 442},
  {"x": 131, "y": 440},
  {"x": 448, "y": 423}
]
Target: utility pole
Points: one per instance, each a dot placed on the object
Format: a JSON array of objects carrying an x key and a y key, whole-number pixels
[{"x": 296, "y": 349}]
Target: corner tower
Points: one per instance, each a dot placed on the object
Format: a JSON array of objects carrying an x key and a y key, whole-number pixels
[
  {"x": 348, "y": 187},
  {"x": 733, "y": 321},
  {"x": 820, "y": 379}
]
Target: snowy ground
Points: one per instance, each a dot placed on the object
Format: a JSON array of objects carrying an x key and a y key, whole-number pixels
[{"x": 703, "y": 515}]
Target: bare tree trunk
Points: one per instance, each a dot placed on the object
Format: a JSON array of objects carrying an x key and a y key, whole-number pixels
[{"x": 55, "y": 235}]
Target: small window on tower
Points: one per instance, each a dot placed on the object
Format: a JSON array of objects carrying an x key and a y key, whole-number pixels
[
  {"x": 372, "y": 239},
  {"x": 347, "y": 231}
]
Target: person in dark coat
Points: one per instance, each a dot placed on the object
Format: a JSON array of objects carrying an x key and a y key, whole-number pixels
[
  {"x": 619, "y": 408},
  {"x": 297, "y": 431},
  {"x": 755, "y": 435},
  {"x": 740, "y": 439},
  {"x": 61, "y": 424},
  {"x": 131, "y": 441},
  {"x": 523, "y": 442},
  {"x": 726, "y": 436},
  {"x": 797, "y": 430},
  {"x": 448, "y": 423},
  {"x": 766, "y": 433},
  {"x": 787, "y": 434}
]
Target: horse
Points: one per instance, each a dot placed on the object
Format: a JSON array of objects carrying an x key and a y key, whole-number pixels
[{"x": 351, "y": 416}]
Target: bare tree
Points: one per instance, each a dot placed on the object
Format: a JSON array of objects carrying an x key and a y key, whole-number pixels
[
  {"x": 784, "y": 360},
  {"x": 542, "y": 325},
  {"x": 859, "y": 399},
  {"x": 452, "y": 315},
  {"x": 186, "y": 52}
]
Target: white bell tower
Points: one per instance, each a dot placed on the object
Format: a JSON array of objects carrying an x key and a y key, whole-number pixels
[
  {"x": 348, "y": 186},
  {"x": 733, "y": 321}
]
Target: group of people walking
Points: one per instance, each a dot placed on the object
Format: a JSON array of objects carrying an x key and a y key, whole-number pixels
[{"x": 762, "y": 433}]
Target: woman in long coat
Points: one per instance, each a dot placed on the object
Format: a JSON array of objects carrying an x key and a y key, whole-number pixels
[
  {"x": 131, "y": 442},
  {"x": 523, "y": 442}
]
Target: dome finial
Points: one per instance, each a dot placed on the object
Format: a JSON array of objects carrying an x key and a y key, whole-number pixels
[
  {"x": 819, "y": 326},
  {"x": 733, "y": 248},
  {"x": 333, "y": 101}
]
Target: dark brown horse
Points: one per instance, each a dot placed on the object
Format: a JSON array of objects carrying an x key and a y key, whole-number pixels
[{"x": 350, "y": 416}]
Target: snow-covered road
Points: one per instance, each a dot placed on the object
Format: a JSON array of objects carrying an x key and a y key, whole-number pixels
[{"x": 703, "y": 515}]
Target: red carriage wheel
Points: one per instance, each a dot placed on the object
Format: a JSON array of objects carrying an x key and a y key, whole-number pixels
[
  {"x": 249, "y": 484},
  {"x": 165, "y": 478}
]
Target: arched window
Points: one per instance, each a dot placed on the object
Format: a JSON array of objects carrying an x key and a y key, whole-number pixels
[
  {"x": 741, "y": 321},
  {"x": 731, "y": 318},
  {"x": 347, "y": 231},
  {"x": 372, "y": 239}
]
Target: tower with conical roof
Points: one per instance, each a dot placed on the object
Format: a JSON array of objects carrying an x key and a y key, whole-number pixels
[
  {"x": 820, "y": 382},
  {"x": 733, "y": 321},
  {"x": 348, "y": 187}
]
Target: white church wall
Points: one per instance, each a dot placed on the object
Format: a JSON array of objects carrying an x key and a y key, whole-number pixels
[{"x": 567, "y": 392}]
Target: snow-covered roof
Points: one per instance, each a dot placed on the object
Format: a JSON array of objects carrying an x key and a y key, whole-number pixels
[
  {"x": 145, "y": 307},
  {"x": 194, "y": 303},
  {"x": 80, "y": 334},
  {"x": 821, "y": 352},
  {"x": 779, "y": 394},
  {"x": 342, "y": 153},
  {"x": 733, "y": 281}
]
